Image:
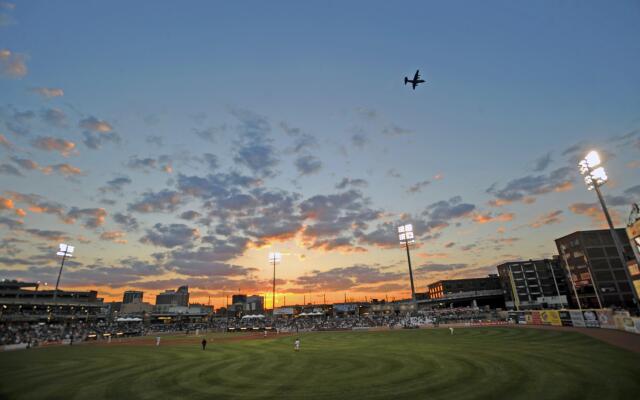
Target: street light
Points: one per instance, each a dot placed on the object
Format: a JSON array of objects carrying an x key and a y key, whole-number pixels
[
  {"x": 274, "y": 258},
  {"x": 405, "y": 234},
  {"x": 65, "y": 251},
  {"x": 594, "y": 177}
]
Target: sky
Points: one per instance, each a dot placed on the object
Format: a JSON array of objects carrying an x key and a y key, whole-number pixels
[{"x": 181, "y": 142}]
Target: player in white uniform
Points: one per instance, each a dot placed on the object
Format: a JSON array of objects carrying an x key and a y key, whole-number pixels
[
  {"x": 157, "y": 340},
  {"x": 296, "y": 345}
]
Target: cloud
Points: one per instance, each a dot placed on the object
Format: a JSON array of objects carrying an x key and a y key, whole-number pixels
[
  {"x": 17, "y": 122},
  {"x": 308, "y": 165},
  {"x": 4, "y": 142},
  {"x": 253, "y": 148},
  {"x": 190, "y": 215},
  {"x": 171, "y": 235},
  {"x": 394, "y": 130},
  {"x": 489, "y": 217},
  {"x": 114, "y": 236},
  {"x": 343, "y": 278},
  {"x": 91, "y": 217},
  {"x": 12, "y": 65},
  {"x": 128, "y": 222},
  {"x": 94, "y": 124},
  {"x": 48, "y": 235},
  {"x": 48, "y": 92},
  {"x": 8, "y": 169},
  {"x": 54, "y": 117},
  {"x": 542, "y": 163},
  {"x": 95, "y": 140},
  {"x": 436, "y": 267},
  {"x": 48, "y": 143},
  {"x": 116, "y": 185},
  {"x": 446, "y": 210},
  {"x": 11, "y": 223},
  {"x": 593, "y": 211},
  {"x": 346, "y": 182},
  {"x": 416, "y": 188},
  {"x": 164, "y": 200},
  {"x": 526, "y": 188},
  {"x": 210, "y": 261},
  {"x": 289, "y": 130},
  {"x": 552, "y": 217},
  {"x": 162, "y": 163},
  {"x": 63, "y": 169},
  {"x": 66, "y": 170}
]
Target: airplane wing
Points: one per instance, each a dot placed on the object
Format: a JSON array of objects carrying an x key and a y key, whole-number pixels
[
  {"x": 417, "y": 75},
  {"x": 414, "y": 84}
]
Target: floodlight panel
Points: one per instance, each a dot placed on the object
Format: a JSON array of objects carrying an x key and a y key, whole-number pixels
[
  {"x": 402, "y": 237},
  {"x": 63, "y": 247},
  {"x": 593, "y": 159},
  {"x": 408, "y": 228},
  {"x": 410, "y": 235},
  {"x": 599, "y": 174},
  {"x": 401, "y": 229}
]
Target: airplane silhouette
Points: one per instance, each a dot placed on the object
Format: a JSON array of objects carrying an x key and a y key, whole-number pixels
[{"x": 415, "y": 81}]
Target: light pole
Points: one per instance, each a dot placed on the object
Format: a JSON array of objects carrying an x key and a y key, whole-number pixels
[
  {"x": 405, "y": 234},
  {"x": 274, "y": 258},
  {"x": 594, "y": 178},
  {"x": 65, "y": 251}
]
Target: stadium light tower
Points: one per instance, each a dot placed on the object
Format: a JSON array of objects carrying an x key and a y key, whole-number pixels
[
  {"x": 65, "y": 251},
  {"x": 594, "y": 177},
  {"x": 274, "y": 258},
  {"x": 405, "y": 234}
]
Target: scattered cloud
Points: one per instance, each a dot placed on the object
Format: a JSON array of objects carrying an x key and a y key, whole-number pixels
[
  {"x": 417, "y": 187},
  {"x": 114, "y": 236},
  {"x": 308, "y": 165},
  {"x": 48, "y": 143},
  {"x": 12, "y": 65},
  {"x": 552, "y": 217},
  {"x": 48, "y": 93},
  {"x": 94, "y": 124},
  {"x": 489, "y": 217}
]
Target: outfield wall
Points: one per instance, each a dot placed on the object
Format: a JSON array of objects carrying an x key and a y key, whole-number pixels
[{"x": 604, "y": 318}]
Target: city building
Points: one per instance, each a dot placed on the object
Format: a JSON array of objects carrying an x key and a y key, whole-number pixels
[
  {"x": 178, "y": 297},
  {"x": 445, "y": 288},
  {"x": 597, "y": 274},
  {"x": 466, "y": 292},
  {"x": 131, "y": 296},
  {"x": 534, "y": 284}
]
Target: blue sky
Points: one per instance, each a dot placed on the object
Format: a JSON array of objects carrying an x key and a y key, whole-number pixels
[{"x": 119, "y": 103}]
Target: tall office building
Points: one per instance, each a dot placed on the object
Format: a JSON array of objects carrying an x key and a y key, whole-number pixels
[
  {"x": 534, "y": 284},
  {"x": 132, "y": 296},
  {"x": 596, "y": 271},
  {"x": 178, "y": 297}
]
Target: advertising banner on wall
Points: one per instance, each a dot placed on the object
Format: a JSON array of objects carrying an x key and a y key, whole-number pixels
[
  {"x": 565, "y": 318},
  {"x": 590, "y": 319},
  {"x": 605, "y": 317},
  {"x": 577, "y": 318},
  {"x": 535, "y": 318},
  {"x": 550, "y": 317}
]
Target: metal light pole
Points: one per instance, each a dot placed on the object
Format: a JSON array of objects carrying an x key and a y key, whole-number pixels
[
  {"x": 65, "y": 251},
  {"x": 274, "y": 258},
  {"x": 405, "y": 234},
  {"x": 594, "y": 178}
]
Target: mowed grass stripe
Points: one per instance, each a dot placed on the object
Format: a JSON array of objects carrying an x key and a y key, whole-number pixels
[{"x": 474, "y": 363}]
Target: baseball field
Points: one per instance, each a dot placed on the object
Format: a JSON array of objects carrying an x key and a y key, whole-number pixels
[{"x": 475, "y": 363}]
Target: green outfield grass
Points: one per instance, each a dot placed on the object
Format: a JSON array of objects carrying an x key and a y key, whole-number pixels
[{"x": 487, "y": 363}]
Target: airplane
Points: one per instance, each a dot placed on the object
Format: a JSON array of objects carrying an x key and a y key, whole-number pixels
[{"x": 415, "y": 81}]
